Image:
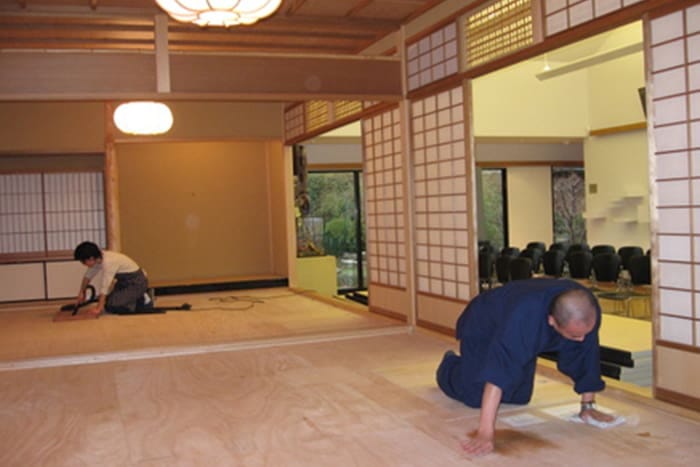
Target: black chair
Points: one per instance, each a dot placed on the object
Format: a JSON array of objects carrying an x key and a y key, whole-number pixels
[
  {"x": 627, "y": 252},
  {"x": 598, "y": 249},
  {"x": 577, "y": 247},
  {"x": 580, "y": 264},
  {"x": 486, "y": 269},
  {"x": 553, "y": 262},
  {"x": 564, "y": 246},
  {"x": 503, "y": 268},
  {"x": 486, "y": 245},
  {"x": 535, "y": 256},
  {"x": 511, "y": 251},
  {"x": 520, "y": 268},
  {"x": 640, "y": 269},
  {"x": 606, "y": 266},
  {"x": 539, "y": 245}
]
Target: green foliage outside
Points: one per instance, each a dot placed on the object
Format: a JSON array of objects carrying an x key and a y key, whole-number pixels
[
  {"x": 568, "y": 192},
  {"x": 332, "y": 198},
  {"x": 492, "y": 198}
]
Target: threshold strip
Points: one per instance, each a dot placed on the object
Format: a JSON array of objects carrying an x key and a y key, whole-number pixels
[{"x": 162, "y": 352}]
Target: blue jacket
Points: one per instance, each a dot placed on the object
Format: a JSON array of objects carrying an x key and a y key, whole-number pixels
[{"x": 503, "y": 330}]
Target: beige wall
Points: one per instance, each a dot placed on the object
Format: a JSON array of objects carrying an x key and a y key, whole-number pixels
[
  {"x": 223, "y": 120},
  {"x": 54, "y": 162},
  {"x": 529, "y": 205},
  {"x": 79, "y": 127},
  {"x": 617, "y": 164},
  {"x": 52, "y": 127},
  {"x": 194, "y": 211},
  {"x": 514, "y": 103},
  {"x": 618, "y": 213},
  {"x": 614, "y": 92}
]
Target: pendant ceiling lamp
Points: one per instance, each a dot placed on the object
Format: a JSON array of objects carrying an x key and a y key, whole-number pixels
[
  {"x": 143, "y": 118},
  {"x": 219, "y": 12}
]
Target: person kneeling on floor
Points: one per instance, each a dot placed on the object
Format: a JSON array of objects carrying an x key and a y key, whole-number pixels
[
  {"x": 501, "y": 333},
  {"x": 120, "y": 284}
]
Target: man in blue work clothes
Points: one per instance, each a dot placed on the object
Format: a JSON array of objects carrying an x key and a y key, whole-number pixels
[{"x": 501, "y": 333}]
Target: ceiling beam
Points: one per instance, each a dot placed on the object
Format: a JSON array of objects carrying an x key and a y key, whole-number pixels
[{"x": 75, "y": 75}]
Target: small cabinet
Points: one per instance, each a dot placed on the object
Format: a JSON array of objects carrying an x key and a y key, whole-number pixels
[{"x": 318, "y": 273}]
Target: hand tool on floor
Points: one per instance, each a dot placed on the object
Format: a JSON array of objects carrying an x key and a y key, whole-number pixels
[{"x": 74, "y": 307}]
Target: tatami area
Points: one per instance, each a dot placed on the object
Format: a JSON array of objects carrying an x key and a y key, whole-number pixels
[{"x": 273, "y": 377}]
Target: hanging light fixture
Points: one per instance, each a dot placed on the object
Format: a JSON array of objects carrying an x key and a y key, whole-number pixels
[
  {"x": 219, "y": 12},
  {"x": 143, "y": 118}
]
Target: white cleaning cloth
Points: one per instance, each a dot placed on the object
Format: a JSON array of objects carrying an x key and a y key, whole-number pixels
[{"x": 618, "y": 420}]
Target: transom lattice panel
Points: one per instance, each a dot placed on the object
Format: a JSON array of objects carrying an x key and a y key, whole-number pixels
[
  {"x": 342, "y": 109},
  {"x": 311, "y": 118},
  {"x": 497, "y": 29},
  {"x": 294, "y": 122},
  {"x": 675, "y": 65},
  {"x": 560, "y": 15},
  {"x": 433, "y": 57},
  {"x": 384, "y": 199},
  {"x": 317, "y": 114},
  {"x": 440, "y": 191}
]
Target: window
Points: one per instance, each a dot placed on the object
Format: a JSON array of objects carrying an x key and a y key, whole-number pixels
[
  {"x": 335, "y": 198},
  {"x": 493, "y": 211},
  {"x": 47, "y": 214},
  {"x": 568, "y": 199}
]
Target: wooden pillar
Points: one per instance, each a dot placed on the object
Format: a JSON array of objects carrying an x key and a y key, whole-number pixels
[{"x": 111, "y": 180}]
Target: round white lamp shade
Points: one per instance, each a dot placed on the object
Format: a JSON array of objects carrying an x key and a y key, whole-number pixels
[
  {"x": 143, "y": 118},
  {"x": 219, "y": 12}
]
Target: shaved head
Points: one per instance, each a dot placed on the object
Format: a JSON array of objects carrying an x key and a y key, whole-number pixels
[{"x": 574, "y": 306}]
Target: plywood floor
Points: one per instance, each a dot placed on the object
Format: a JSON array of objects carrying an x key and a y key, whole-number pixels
[
  {"x": 352, "y": 399},
  {"x": 369, "y": 401},
  {"x": 28, "y": 332}
]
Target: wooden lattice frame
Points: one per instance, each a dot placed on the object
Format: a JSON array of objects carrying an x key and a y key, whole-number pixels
[
  {"x": 384, "y": 199},
  {"x": 440, "y": 195},
  {"x": 43, "y": 214},
  {"x": 432, "y": 57},
  {"x": 497, "y": 29},
  {"x": 675, "y": 77}
]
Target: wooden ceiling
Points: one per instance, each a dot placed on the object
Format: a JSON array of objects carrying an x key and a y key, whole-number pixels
[{"x": 342, "y": 27}]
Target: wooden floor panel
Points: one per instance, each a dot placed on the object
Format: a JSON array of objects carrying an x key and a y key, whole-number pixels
[
  {"x": 28, "y": 332},
  {"x": 365, "y": 401},
  {"x": 351, "y": 399}
]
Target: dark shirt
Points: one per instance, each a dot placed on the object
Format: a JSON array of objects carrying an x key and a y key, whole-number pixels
[{"x": 503, "y": 330}]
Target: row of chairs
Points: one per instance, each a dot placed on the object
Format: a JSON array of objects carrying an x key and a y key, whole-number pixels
[{"x": 601, "y": 262}]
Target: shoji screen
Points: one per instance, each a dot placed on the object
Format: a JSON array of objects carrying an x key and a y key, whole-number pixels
[
  {"x": 384, "y": 199},
  {"x": 433, "y": 57},
  {"x": 21, "y": 213},
  {"x": 74, "y": 210},
  {"x": 561, "y": 15},
  {"x": 675, "y": 88},
  {"x": 440, "y": 196},
  {"x": 47, "y": 213}
]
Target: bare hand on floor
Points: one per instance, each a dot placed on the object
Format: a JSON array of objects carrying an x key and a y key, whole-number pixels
[{"x": 478, "y": 444}]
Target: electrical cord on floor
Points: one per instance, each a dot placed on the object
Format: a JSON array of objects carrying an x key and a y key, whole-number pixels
[{"x": 247, "y": 301}]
